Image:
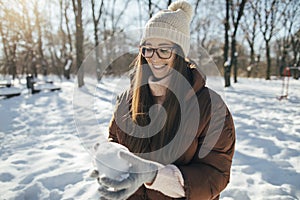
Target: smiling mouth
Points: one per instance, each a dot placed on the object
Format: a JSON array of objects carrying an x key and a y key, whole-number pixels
[{"x": 159, "y": 66}]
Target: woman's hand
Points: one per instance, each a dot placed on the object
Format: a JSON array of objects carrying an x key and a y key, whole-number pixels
[{"x": 141, "y": 171}]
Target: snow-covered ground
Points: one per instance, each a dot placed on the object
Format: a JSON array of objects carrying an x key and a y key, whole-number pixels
[
  {"x": 267, "y": 158},
  {"x": 45, "y": 154}
]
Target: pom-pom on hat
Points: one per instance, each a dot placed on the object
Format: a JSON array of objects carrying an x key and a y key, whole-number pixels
[{"x": 172, "y": 24}]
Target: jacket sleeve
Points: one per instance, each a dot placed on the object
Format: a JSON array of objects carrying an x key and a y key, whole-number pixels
[
  {"x": 207, "y": 174},
  {"x": 113, "y": 128}
]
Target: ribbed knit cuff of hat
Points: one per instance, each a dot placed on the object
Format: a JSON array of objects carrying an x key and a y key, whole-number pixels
[{"x": 164, "y": 31}]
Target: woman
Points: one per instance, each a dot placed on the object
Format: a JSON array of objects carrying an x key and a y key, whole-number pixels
[{"x": 181, "y": 131}]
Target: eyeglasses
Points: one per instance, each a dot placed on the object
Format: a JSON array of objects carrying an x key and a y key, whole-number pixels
[{"x": 162, "y": 52}]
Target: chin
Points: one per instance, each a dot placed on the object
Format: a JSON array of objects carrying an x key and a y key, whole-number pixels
[{"x": 159, "y": 76}]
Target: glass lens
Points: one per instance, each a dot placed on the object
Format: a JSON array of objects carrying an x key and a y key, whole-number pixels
[
  {"x": 147, "y": 52},
  {"x": 164, "y": 52}
]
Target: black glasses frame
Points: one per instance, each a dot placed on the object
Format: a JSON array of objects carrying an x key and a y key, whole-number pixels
[{"x": 155, "y": 50}]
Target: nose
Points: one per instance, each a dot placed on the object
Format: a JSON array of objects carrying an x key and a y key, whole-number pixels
[{"x": 155, "y": 56}]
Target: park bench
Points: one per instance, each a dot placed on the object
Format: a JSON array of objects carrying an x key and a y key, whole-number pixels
[
  {"x": 37, "y": 86},
  {"x": 7, "y": 90},
  {"x": 5, "y": 83}
]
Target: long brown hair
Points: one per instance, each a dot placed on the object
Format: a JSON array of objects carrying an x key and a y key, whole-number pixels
[{"x": 142, "y": 100}]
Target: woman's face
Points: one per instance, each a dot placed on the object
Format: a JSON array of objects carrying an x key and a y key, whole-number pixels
[{"x": 160, "y": 55}]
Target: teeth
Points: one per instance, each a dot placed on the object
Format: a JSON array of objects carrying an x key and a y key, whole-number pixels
[{"x": 158, "y": 67}]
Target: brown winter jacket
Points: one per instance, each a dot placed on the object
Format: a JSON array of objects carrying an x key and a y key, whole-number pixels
[{"x": 207, "y": 174}]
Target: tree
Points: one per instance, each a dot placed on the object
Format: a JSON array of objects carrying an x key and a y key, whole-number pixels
[
  {"x": 291, "y": 41},
  {"x": 96, "y": 19},
  {"x": 227, "y": 66},
  {"x": 66, "y": 58},
  {"x": 116, "y": 16},
  {"x": 249, "y": 27},
  {"x": 70, "y": 43},
  {"x": 77, "y": 8},
  {"x": 295, "y": 42},
  {"x": 10, "y": 34},
  {"x": 150, "y": 8},
  {"x": 239, "y": 8},
  {"x": 231, "y": 10},
  {"x": 202, "y": 25},
  {"x": 268, "y": 16},
  {"x": 67, "y": 46},
  {"x": 38, "y": 25}
]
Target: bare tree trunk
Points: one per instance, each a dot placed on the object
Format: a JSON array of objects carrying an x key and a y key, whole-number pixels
[
  {"x": 4, "y": 43},
  {"x": 55, "y": 63},
  {"x": 268, "y": 16},
  {"x": 27, "y": 29},
  {"x": 62, "y": 32},
  {"x": 268, "y": 56},
  {"x": 68, "y": 29},
  {"x": 235, "y": 22},
  {"x": 10, "y": 40},
  {"x": 96, "y": 20},
  {"x": 227, "y": 66},
  {"x": 150, "y": 8},
  {"x": 234, "y": 56},
  {"x": 295, "y": 42},
  {"x": 13, "y": 67},
  {"x": 41, "y": 58},
  {"x": 249, "y": 27},
  {"x": 290, "y": 18},
  {"x": 77, "y": 8}
]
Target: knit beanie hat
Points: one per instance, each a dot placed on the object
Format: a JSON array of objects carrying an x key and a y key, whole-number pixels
[{"x": 172, "y": 24}]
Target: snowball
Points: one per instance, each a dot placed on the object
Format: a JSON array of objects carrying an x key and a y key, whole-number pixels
[{"x": 109, "y": 163}]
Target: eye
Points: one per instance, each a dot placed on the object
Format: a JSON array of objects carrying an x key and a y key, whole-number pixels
[
  {"x": 165, "y": 50},
  {"x": 147, "y": 52},
  {"x": 148, "y": 49}
]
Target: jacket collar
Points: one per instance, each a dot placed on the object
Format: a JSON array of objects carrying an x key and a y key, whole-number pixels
[{"x": 199, "y": 80}]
